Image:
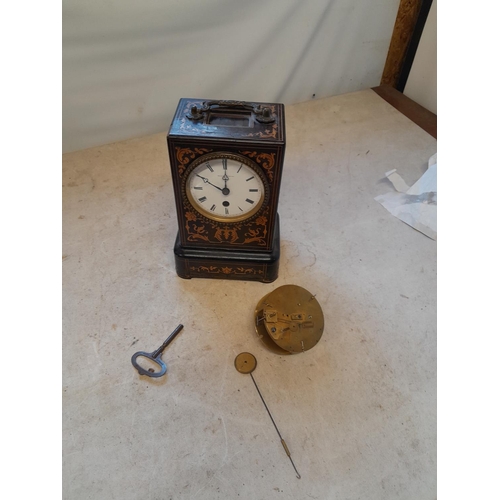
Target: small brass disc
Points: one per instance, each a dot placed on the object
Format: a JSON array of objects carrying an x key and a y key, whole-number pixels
[
  {"x": 289, "y": 320},
  {"x": 245, "y": 362}
]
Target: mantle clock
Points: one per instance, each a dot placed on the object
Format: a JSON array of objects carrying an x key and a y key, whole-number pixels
[{"x": 226, "y": 159}]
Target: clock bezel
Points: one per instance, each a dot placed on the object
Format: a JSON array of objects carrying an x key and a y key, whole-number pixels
[{"x": 187, "y": 195}]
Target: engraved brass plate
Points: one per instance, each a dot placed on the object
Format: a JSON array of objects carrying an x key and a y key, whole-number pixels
[{"x": 289, "y": 320}]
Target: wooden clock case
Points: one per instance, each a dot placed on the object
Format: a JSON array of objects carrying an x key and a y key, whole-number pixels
[{"x": 206, "y": 248}]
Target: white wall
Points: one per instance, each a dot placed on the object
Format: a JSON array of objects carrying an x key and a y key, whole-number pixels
[
  {"x": 126, "y": 63},
  {"x": 422, "y": 80}
]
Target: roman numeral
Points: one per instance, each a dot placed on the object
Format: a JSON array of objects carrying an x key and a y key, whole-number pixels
[
  {"x": 249, "y": 201},
  {"x": 212, "y": 208},
  {"x": 209, "y": 167},
  {"x": 250, "y": 178},
  {"x": 254, "y": 190},
  {"x": 224, "y": 163},
  {"x": 203, "y": 199}
]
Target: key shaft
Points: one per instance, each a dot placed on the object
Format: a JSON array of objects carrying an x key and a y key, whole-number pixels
[{"x": 169, "y": 339}]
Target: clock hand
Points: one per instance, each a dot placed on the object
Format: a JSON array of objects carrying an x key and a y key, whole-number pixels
[
  {"x": 206, "y": 181},
  {"x": 225, "y": 178}
]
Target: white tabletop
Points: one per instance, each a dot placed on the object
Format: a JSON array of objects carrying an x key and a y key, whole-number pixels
[{"x": 358, "y": 411}]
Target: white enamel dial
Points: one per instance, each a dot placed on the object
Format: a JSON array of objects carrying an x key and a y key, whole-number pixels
[{"x": 225, "y": 188}]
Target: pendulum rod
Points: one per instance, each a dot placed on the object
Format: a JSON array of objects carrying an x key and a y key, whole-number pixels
[{"x": 287, "y": 451}]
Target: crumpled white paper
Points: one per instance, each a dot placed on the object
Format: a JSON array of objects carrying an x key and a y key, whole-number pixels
[{"x": 416, "y": 205}]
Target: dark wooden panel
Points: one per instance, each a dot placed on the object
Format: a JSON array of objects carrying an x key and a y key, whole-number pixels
[
  {"x": 418, "y": 114},
  {"x": 404, "y": 28}
]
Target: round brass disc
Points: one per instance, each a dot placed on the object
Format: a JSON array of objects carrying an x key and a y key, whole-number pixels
[
  {"x": 289, "y": 320},
  {"x": 245, "y": 362}
]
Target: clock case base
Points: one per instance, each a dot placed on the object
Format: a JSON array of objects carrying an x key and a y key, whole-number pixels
[{"x": 231, "y": 264}]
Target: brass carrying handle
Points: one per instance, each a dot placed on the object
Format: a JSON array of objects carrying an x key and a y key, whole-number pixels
[{"x": 263, "y": 114}]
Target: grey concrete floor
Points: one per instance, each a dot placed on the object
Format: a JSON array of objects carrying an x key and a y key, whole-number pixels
[{"x": 358, "y": 411}]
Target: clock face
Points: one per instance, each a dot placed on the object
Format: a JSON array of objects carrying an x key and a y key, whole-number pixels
[{"x": 225, "y": 187}]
